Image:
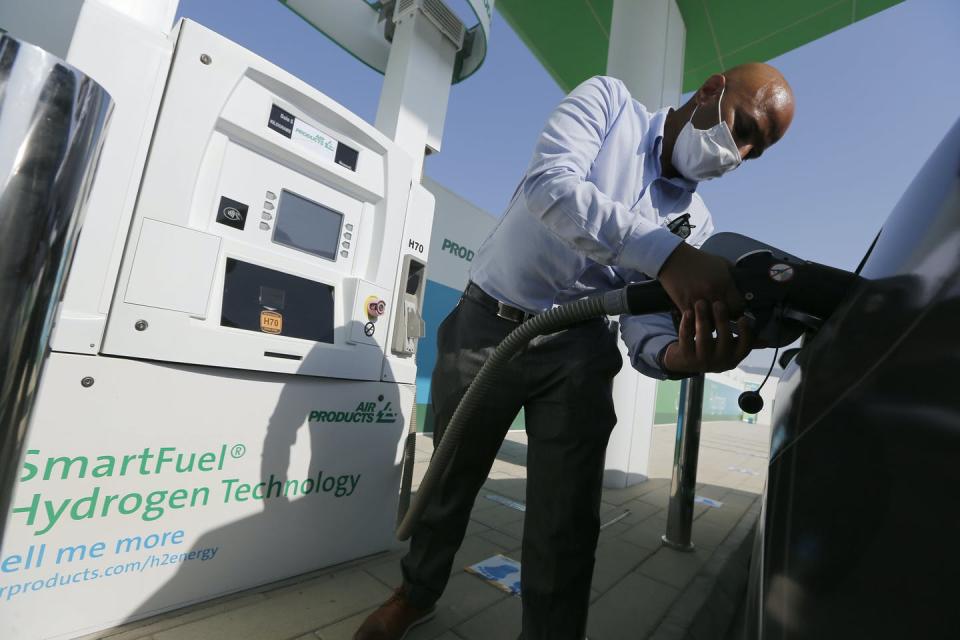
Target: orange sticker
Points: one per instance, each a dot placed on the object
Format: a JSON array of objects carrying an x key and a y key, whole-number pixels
[{"x": 271, "y": 322}]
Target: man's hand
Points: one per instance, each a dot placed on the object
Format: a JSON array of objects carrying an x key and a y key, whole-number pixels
[
  {"x": 689, "y": 275},
  {"x": 698, "y": 350}
]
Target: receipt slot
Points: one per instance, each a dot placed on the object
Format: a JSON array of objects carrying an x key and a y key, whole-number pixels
[{"x": 232, "y": 366}]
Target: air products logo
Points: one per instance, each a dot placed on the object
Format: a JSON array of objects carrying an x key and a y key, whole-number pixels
[
  {"x": 315, "y": 137},
  {"x": 454, "y": 248},
  {"x": 378, "y": 412}
]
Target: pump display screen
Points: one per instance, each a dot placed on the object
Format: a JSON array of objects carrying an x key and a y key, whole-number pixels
[{"x": 307, "y": 226}]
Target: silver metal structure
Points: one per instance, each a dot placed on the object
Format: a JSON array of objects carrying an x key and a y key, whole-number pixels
[
  {"x": 683, "y": 486},
  {"x": 52, "y": 124}
]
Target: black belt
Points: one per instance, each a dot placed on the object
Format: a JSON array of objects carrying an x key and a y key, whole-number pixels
[{"x": 487, "y": 301}]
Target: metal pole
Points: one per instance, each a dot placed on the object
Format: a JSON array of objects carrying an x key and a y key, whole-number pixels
[
  {"x": 683, "y": 487},
  {"x": 52, "y": 121}
]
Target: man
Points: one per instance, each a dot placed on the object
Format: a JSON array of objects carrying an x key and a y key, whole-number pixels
[{"x": 592, "y": 213}]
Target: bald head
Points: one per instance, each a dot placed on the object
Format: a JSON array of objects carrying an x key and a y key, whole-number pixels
[
  {"x": 757, "y": 105},
  {"x": 762, "y": 91}
]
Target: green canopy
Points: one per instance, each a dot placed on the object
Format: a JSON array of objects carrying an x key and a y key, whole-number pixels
[{"x": 570, "y": 37}]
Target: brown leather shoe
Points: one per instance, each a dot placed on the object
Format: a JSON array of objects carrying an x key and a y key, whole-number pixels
[{"x": 394, "y": 619}]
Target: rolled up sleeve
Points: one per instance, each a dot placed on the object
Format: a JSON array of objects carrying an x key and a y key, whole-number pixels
[{"x": 573, "y": 208}]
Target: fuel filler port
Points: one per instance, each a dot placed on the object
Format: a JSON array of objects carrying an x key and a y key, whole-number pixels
[{"x": 375, "y": 307}]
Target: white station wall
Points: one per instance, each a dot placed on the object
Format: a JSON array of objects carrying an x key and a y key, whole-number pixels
[{"x": 459, "y": 227}]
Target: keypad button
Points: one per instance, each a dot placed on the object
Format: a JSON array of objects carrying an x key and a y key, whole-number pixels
[
  {"x": 348, "y": 236},
  {"x": 349, "y": 227},
  {"x": 345, "y": 244},
  {"x": 271, "y": 195},
  {"x": 268, "y": 206},
  {"x": 344, "y": 254},
  {"x": 264, "y": 226},
  {"x": 266, "y": 216}
]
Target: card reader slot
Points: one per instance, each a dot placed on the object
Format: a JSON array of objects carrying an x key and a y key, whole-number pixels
[{"x": 285, "y": 356}]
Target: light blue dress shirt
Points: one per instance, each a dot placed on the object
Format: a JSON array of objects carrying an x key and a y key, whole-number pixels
[{"x": 590, "y": 214}]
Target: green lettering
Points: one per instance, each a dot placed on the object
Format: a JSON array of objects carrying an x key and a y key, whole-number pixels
[
  {"x": 199, "y": 491},
  {"x": 144, "y": 458},
  {"x": 229, "y": 482},
  {"x": 163, "y": 457},
  {"x": 106, "y": 504},
  {"x": 67, "y": 465},
  {"x": 179, "y": 494},
  {"x": 31, "y": 510},
  {"x": 52, "y": 515},
  {"x": 154, "y": 508},
  {"x": 206, "y": 459},
  {"x": 90, "y": 502},
  {"x": 105, "y": 468},
  {"x": 127, "y": 459},
  {"x": 29, "y": 469}
]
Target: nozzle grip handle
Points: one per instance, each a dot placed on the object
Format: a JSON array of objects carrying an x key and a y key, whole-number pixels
[{"x": 647, "y": 297}]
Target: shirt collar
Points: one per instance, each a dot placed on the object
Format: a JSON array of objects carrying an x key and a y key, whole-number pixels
[{"x": 658, "y": 121}]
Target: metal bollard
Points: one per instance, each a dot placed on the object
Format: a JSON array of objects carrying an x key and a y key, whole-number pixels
[
  {"x": 52, "y": 121},
  {"x": 683, "y": 486}
]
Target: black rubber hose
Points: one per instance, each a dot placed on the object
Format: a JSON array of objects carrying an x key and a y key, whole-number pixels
[
  {"x": 409, "y": 460},
  {"x": 647, "y": 297}
]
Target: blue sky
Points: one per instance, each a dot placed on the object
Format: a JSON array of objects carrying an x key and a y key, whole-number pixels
[{"x": 873, "y": 100}]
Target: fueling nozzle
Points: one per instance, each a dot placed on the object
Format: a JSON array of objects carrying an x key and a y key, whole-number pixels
[{"x": 783, "y": 295}]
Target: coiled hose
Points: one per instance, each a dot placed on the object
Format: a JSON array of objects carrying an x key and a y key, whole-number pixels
[{"x": 646, "y": 297}]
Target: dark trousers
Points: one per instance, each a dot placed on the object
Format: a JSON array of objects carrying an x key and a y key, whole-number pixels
[{"x": 564, "y": 383}]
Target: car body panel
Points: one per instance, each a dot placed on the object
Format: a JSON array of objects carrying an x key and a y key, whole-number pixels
[{"x": 861, "y": 509}]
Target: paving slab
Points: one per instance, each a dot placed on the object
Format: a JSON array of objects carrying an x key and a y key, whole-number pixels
[
  {"x": 640, "y": 510},
  {"x": 499, "y": 515},
  {"x": 647, "y": 533},
  {"x": 673, "y": 567},
  {"x": 498, "y": 622},
  {"x": 386, "y": 571},
  {"x": 312, "y": 606},
  {"x": 509, "y": 543},
  {"x": 146, "y": 628},
  {"x": 465, "y": 596},
  {"x": 630, "y": 609},
  {"x": 473, "y": 550},
  {"x": 614, "y": 560},
  {"x": 344, "y": 629}
]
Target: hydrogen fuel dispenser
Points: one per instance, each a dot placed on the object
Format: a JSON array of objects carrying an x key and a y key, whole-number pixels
[{"x": 232, "y": 366}]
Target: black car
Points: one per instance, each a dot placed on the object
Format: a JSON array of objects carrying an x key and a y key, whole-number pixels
[{"x": 859, "y": 535}]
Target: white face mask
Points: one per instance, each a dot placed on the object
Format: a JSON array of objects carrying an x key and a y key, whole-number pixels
[{"x": 702, "y": 154}]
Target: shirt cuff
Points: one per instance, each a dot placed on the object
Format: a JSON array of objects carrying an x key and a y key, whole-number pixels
[
  {"x": 646, "y": 249},
  {"x": 668, "y": 375},
  {"x": 649, "y": 360}
]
